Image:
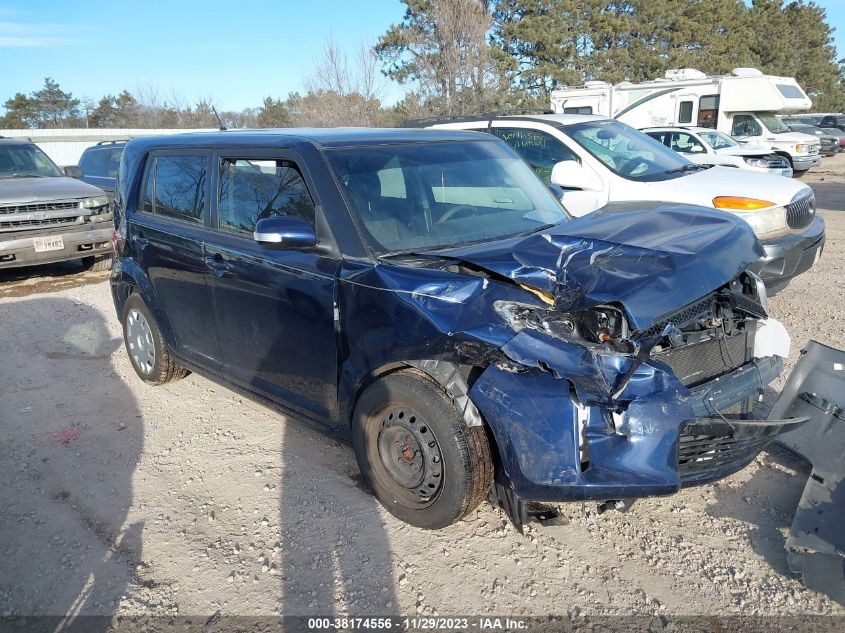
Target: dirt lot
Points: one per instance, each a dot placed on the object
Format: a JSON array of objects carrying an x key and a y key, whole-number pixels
[{"x": 121, "y": 498}]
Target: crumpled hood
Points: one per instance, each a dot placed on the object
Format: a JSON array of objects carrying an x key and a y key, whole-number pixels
[
  {"x": 652, "y": 257},
  {"x": 32, "y": 190}
]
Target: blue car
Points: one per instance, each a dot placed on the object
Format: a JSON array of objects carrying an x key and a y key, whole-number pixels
[{"x": 424, "y": 296}]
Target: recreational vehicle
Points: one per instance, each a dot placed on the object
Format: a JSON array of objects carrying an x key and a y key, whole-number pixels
[{"x": 742, "y": 104}]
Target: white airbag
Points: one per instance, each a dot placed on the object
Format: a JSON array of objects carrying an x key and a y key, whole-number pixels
[{"x": 771, "y": 339}]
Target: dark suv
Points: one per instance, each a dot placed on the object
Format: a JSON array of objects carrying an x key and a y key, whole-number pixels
[
  {"x": 98, "y": 165},
  {"x": 424, "y": 295}
]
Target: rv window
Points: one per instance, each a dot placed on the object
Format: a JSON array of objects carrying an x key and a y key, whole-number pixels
[
  {"x": 708, "y": 110},
  {"x": 578, "y": 110},
  {"x": 685, "y": 112},
  {"x": 538, "y": 149},
  {"x": 791, "y": 92}
]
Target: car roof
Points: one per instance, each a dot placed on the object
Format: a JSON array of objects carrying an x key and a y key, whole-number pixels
[
  {"x": 558, "y": 119},
  {"x": 320, "y": 137},
  {"x": 15, "y": 141},
  {"x": 675, "y": 128}
]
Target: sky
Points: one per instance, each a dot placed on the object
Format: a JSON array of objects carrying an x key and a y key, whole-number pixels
[{"x": 232, "y": 53}]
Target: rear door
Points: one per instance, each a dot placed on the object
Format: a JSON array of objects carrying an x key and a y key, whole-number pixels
[
  {"x": 273, "y": 308},
  {"x": 166, "y": 237}
]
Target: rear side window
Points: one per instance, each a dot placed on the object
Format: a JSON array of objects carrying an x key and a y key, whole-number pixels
[
  {"x": 254, "y": 189},
  {"x": 176, "y": 188},
  {"x": 101, "y": 162}
]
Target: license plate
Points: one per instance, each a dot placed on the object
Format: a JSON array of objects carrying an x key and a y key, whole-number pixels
[{"x": 43, "y": 244}]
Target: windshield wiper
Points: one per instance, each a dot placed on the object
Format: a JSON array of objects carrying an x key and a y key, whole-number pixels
[{"x": 685, "y": 168}]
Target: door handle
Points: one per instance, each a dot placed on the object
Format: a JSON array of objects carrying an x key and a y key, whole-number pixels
[{"x": 140, "y": 240}]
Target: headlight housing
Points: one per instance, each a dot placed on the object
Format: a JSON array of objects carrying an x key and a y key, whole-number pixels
[
  {"x": 802, "y": 148},
  {"x": 599, "y": 324},
  {"x": 758, "y": 162},
  {"x": 764, "y": 217},
  {"x": 93, "y": 203}
]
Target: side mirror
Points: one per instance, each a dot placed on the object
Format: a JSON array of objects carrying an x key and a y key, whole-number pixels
[
  {"x": 570, "y": 174},
  {"x": 287, "y": 231},
  {"x": 72, "y": 171}
]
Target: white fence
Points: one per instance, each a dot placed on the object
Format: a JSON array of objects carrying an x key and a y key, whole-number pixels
[{"x": 66, "y": 146}]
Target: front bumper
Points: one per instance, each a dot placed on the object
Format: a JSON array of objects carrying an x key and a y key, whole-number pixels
[
  {"x": 789, "y": 256},
  {"x": 554, "y": 450},
  {"x": 18, "y": 249},
  {"x": 803, "y": 163}
]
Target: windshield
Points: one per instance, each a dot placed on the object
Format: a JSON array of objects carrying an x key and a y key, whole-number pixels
[
  {"x": 627, "y": 152},
  {"x": 22, "y": 161},
  {"x": 772, "y": 123},
  {"x": 431, "y": 195},
  {"x": 718, "y": 140}
]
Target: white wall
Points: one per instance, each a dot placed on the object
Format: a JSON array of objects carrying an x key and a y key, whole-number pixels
[{"x": 66, "y": 146}]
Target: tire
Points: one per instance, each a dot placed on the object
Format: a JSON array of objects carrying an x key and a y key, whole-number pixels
[
  {"x": 421, "y": 461},
  {"x": 97, "y": 263},
  {"x": 148, "y": 352}
]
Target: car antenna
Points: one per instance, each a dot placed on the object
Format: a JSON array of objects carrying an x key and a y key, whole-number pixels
[{"x": 219, "y": 122}]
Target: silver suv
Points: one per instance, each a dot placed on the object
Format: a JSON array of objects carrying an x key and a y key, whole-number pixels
[{"x": 46, "y": 216}]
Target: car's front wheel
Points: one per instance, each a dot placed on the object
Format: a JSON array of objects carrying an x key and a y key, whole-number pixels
[
  {"x": 424, "y": 464},
  {"x": 147, "y": 350}
]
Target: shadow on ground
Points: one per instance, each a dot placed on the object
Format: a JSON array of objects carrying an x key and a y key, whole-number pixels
[{"x": 70, "y": 439}]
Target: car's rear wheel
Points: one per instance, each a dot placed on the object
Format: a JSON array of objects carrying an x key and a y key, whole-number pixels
[
  {"x": 147, "y": 350},
  {"x": 97, "y": 263},
  {"x": 416, "y": 453}
]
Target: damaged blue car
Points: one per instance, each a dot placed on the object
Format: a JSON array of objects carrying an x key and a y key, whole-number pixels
[{"x": 423, "y": 295}]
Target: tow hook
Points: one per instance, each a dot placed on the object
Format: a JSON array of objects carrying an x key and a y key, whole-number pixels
[{"x": 620, "y": 505}]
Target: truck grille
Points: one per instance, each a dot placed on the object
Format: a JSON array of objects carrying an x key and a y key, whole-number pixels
[
  {"x": 39, "y": 206},
  {"x": 28, "y": 224},
  {"x": 699, "y": 362},
  {"x": 800, "y": 212},
  {"x": 814, "y": 148}
]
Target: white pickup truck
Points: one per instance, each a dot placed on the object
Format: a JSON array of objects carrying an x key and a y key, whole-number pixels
[{"x": 597, "y": 160}]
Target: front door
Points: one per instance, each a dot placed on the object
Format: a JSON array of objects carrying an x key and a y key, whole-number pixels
[
  {"x": 166, "y": 236},
  {"x": 273, "y": 308}
]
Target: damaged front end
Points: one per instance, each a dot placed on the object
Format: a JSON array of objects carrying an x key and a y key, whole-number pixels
[
  {"x": 614, "y": 413},
  {"x": 613, "y": 357}
]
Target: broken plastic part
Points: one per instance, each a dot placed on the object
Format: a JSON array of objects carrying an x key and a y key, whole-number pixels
[{"x": 816, "y": 544}]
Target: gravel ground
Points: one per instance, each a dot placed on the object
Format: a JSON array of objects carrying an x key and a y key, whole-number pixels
[{"x": 119, "y": 498}]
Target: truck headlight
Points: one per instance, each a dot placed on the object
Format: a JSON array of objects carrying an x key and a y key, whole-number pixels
[
  {"x": 96, "y": 201},
  {"x": 801, "y": 148},
  {"x": 764, "y": 217}
]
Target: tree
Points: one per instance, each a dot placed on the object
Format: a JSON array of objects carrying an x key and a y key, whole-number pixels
[
  {"x": 21, "y": 112},
  {"x": 273, "y": 114},
  {"x": 796, "y": 40},
  {"x": 441, "y": 49},
  {"x": 56, "y": 108}
]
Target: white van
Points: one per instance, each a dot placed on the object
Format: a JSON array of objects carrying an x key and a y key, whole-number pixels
[
  {"x": 596, "y": 160},
  {"x": 742, "y": 104}
]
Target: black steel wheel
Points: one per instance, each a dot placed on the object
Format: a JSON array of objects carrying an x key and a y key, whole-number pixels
[{"x": 416, "y": 453}]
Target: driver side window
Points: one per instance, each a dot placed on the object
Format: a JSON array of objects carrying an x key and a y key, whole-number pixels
[
  {"x": 684, "y": 143},
  {"x": 745, "y": 125},
  {"x": 538, "y": 149}
]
